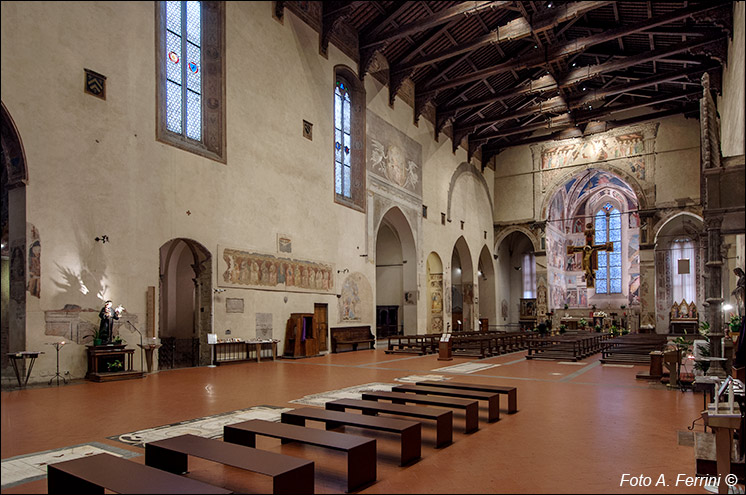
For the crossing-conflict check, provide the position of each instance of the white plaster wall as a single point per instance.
(95, 167)
(731, 104)
(514, 185)
(677, 168)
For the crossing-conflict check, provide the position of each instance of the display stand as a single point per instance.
(445, 348)
(149, 348)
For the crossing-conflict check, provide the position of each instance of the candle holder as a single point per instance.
(57, 375)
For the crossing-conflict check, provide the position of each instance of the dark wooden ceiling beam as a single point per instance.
(491, 149)
(461, 9)
(563, 121)
(332, 13)
(514, 30)
(575, 46)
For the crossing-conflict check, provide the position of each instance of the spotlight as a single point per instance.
(104, 239)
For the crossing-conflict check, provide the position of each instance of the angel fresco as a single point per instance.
(393, 164)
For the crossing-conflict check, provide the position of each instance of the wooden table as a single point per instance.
(16, 356)
(98, 355)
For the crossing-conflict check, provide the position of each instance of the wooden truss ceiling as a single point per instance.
(500, 73)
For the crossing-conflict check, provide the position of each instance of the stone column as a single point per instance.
(713, 290)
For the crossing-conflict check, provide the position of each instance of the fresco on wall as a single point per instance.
(356, 299)
(436, 302)
(392, 155)
(541, 295)
(251, 270)
(593, 150)
(34, 261)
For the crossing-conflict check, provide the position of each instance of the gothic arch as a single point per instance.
(631, 181)
(502, 235)
(664, 222)
(14, 156)
(467, 168)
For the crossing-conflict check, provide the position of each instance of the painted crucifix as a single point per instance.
(590, 254)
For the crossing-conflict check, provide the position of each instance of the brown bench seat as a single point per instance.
(511, 392)
(492, 398)
(443, 419)
(410, 431)
(361, 451)
(289, 474)
(470, 407)
(351, 336)
(93, 474)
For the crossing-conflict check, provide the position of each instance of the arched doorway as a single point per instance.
(462, 287)
(516, 278)
(185, 304)
(486, 280)
(396, 276)
(434, 294)
(678, 261)
(14, 249)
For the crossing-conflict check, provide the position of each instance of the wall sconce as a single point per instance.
(343, 271)
(104, 239)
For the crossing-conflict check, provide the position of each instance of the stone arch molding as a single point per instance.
(503, 234)
(467, 168)
(642, 197)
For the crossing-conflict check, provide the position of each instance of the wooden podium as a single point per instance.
(445, 348)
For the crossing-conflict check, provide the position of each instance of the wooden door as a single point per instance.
(322, 326)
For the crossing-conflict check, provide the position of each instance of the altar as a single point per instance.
(110, 362)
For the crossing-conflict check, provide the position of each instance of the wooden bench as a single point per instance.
(289, 474)
(492, 398)
(361, 451)
(352, 336)
(443, 419)
(470, 407)
(410, 431)
(93, 474)
(511, 392)
(407, 344)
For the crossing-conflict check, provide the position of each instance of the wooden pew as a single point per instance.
(361, 451)
(407, 344)
(289, 474)
(351, 336)
(511, 392)
(410, 431)
(443, 419)
(95, 473)
(492, 398)
(470, 407)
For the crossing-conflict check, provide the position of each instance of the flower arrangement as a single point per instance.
(582, 323)
(734, 324)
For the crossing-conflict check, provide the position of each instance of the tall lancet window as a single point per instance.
(184, 69)
(682, 268)
(342, 139)
(608, 225)
(190, 74)
(528, 268)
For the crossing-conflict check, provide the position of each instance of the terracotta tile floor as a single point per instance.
(578, 429)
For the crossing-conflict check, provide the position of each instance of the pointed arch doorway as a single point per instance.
(185, 304)
(396, 276)
(486, 279)
(462, 287)
(14, 250)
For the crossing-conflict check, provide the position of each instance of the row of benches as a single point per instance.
(478, 344)
(632, 348)
(566, 347)
(166, 459)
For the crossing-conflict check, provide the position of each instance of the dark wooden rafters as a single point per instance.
(575, 46)
(332, 13)
(582, 74)
(497, 72)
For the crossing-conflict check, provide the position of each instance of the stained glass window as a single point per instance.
(608, 225)
(342, 140)
(184, 68)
